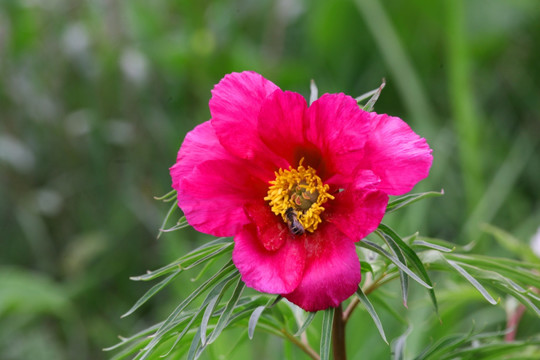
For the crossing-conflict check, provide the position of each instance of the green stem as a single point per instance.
(304, 346)
(338, 335)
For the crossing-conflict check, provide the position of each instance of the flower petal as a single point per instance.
(234, 106)
(339, 129)
(271, 230)
(281, 125)
(200, 144)
(357, 213)
(332, 271)
(397, 154)
(275, 272)
(213, 196)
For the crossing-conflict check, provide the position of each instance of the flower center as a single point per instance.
(297, 196)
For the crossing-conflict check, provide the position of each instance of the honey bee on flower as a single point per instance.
(295, 185)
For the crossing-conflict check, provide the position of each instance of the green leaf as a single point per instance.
(190, 260)
(254, 318)
(510, 242)
(195, 345)
(309, 319)
(432, 246)
(211, 301)
(403, 279)
(413, 259)
(225, 272)
(473, 281)
(398, 345)
(376, 248)
(444, 346)
(376, 93)
(173, 207)
(403, 201)
(314, 92)
(224, 318)
(366, 95)
(511, 268)
(363, 298)
(153, 291)
(326, 333)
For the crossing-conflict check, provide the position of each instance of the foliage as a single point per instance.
(395, 257)
(94, 96)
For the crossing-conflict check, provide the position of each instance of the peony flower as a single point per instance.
(296, 186)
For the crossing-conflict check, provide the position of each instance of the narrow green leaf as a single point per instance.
(195, 345)
(432, 246)
(326, 333)
(167, 197)
(413, 259)
(403, 201)
(371, 103)
(140, 334)
(398, 345)
(374, 247)
(224, 318)
(228, 269)
(371, 310)
(256, 314)
(497, 350)
(314, 92)
(403, 279)
(444, 346)
(253, 319)
(173, 207)
(211, 301)
(189, 260)
(309, 319)
(511, 268)
(473, 281)
(153, 291)
(366, 95)
(180, 224)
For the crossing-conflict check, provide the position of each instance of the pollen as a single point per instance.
(303, 191)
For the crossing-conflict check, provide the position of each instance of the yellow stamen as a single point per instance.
(302, 190)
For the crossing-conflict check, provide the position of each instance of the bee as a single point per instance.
(294, 224)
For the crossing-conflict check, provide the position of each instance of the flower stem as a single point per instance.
(338, 335)
(304, 346)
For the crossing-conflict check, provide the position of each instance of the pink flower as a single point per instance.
(296, 186)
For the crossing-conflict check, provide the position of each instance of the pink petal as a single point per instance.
(357, 213)
(332, 272)
(213, 196)
(234, 106)
(397, 154)
(200, 144)
(271, 230)
(281, 125)
(339, 129)
(275, 272)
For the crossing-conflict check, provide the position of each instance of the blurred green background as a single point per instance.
(96, 97)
